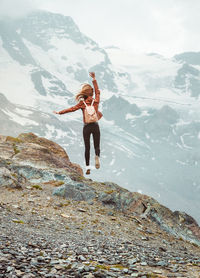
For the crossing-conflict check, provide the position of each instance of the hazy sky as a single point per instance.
(163, 26)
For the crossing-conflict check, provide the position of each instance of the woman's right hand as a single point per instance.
(55, 112)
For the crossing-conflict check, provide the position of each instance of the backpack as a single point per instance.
(90, 113)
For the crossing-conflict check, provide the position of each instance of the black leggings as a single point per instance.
(88, 129)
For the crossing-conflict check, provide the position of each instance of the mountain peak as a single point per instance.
(44, 25)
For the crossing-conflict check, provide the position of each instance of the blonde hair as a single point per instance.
(85, 92)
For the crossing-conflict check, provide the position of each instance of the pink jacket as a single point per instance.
(88, 101)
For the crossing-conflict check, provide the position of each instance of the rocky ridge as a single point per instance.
(56, 223)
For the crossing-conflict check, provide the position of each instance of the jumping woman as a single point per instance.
(91, 115)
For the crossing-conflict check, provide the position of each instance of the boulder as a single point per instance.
(76, 191)
(29, 149)
(11, 179)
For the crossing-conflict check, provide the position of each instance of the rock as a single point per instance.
(89, 275)
(81, 210)
(100, 274)
(81, 258)
(132, 261)
(19, 273)
(11, 179)
(40, 259)
(118, 198)
(65, 216)
(148, 208)
(28, 275)
(10, 268)
(162, 249)
(30, 149)
(75, 191)
(162, 263)
(6, 148)
(39, 150)
(85, 250)
(60, 191)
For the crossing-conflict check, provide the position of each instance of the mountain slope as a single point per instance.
(54, 222)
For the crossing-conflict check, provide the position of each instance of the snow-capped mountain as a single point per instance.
(150, 132)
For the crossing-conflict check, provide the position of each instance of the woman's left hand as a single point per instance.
(55, 112)
(92, 74)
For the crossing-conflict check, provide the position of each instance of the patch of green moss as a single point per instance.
(108, 267)
(58, 183)
(151, 275)
(16, 150)
(18, 221)
(13, 139)
(69, 266)
(81, 178)
(84, 222)
(95, 221)
(102, 267)
(109, 191)
(37, 186)
(76, 177)
(118, 266)
(65, 204)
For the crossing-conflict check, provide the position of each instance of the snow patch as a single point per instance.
(20, 120)
(183, 143)
(23, 112)
(14, 78)
(181, 162)
(112, 162)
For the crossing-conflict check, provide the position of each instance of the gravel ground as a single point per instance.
(42, 235)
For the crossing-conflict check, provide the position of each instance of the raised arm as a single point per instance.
(96, 88)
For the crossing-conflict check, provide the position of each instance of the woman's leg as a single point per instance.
(86, 137)
(96, 139)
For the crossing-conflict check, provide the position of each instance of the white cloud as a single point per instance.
(17, 8)
(167, 27)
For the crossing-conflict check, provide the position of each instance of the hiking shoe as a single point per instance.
(88, 172)
(97, 162)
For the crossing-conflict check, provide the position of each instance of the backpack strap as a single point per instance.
(91, 103)
(84, 103)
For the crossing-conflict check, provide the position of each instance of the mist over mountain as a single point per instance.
(150, 132)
